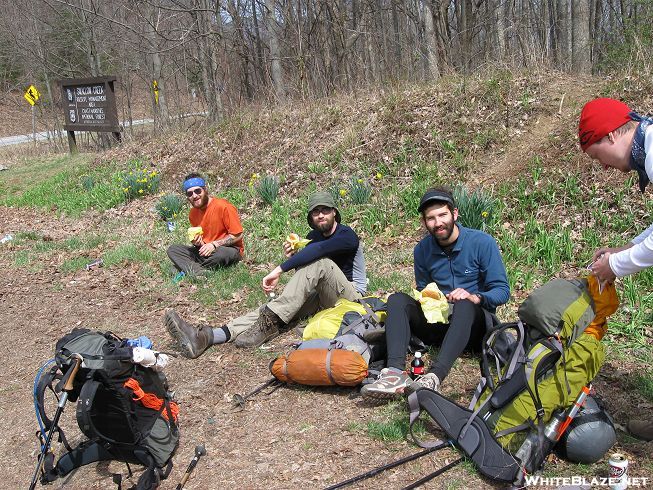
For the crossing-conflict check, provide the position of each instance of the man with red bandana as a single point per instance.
(610, 132)
(221, 242)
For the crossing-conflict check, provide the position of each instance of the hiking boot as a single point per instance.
(192, 340)
(429, 381)
(265, 328)
(390, 384)
(641, 429)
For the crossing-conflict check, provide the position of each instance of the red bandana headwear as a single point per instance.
(598, 118)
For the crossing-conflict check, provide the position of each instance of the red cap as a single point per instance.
(598, 118)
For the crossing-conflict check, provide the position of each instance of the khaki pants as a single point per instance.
(312, 288)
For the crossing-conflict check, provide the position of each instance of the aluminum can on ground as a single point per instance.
(618, 465)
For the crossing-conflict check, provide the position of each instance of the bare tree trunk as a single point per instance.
(431, 41)
(161, 108)
(275, 52)
(259, 46)
(88, 34)
(500, 17)
(581, 36)
(564, 38)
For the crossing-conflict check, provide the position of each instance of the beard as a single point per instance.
(201, 202)
(326, 225)
(443, 232)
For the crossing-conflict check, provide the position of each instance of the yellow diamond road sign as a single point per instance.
(32, 95)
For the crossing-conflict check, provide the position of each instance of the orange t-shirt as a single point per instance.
(219, 219)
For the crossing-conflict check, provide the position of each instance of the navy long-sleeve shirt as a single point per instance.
(341, 247)
(475, 265)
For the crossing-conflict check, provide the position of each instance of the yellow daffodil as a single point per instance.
(379, 175)
(485, 214)
(343, 192)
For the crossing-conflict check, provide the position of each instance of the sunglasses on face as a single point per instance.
(318, 211)
(197, 191)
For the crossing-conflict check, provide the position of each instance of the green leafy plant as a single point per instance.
(169, 207)
(359, 191)
(268, 188)
(139, 181)
(476, 209)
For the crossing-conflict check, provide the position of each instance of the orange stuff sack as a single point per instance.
(320, 367)
(606, 302)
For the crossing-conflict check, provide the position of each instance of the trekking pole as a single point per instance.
(422, 481)
(388, 466)
(68, 386)
(578, 403)
(240, 400)
(199, 452)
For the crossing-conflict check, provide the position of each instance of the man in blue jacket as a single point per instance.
(467, 267)
(331, 266)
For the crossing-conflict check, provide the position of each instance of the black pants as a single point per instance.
(466, 329)
(187, 258)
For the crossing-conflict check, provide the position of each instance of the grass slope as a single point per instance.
(511, 137)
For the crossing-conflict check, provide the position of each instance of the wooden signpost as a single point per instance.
(89, 105)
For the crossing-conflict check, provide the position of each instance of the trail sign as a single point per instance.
(32, 95)
(89, 105)
(155, 87)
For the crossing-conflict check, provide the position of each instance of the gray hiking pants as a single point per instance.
(187, 258)
(312, 288)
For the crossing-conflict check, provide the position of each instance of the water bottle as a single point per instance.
(552, 428)
(417, 365)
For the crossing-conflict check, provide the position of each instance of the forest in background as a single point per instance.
(216, 56)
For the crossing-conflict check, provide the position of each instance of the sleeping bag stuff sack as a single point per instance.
(320, 367)
(363, 317)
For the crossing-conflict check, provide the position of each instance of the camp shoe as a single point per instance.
(264, 329)
(429, 381)
(642, 429)
(192, 340)
(390, 384)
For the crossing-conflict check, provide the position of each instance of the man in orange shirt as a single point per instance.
(221, 241)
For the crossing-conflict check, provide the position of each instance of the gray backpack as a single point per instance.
(124, 409)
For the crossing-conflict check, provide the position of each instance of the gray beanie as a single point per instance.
(321, 199)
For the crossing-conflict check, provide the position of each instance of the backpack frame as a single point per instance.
(111, 394)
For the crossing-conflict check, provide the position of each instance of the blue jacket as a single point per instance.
(475, 265)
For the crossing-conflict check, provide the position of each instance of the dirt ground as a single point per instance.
(297, 437)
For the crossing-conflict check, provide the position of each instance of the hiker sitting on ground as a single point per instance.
(329, 267)
(221, 242)
(467, 267)
(621, 139)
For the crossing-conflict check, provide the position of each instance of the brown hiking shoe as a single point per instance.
(641, 429)
(192, 340)
(265, 328)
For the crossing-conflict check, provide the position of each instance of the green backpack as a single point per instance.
(531, 369)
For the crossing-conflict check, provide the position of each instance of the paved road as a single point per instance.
(27, 138)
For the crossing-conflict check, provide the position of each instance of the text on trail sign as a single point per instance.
(89, 104)
(86, 105)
